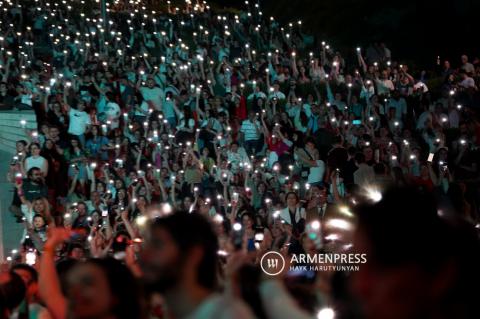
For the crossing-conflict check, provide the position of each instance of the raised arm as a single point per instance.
(48, 281)
(361, 61)
(293, 65)
(21, 195)
(71, 190)
(128, 225)
(97, 87)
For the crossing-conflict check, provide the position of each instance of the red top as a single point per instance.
(279, 147)
(241, 109)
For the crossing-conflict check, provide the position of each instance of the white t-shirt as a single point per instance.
(316, 172)
(78, 122)
(249, 130)
(26, 99)
(468, 83)
(35, 162)
(155, 95)
(385, 86)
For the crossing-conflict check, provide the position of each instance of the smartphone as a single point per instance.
(18, 178)
(31, 258)
(14, 160)
(357, 122)
(259, 237)
(430, 157)
(235, 197)
(104, 213)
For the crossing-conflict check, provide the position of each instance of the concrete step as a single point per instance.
(11, 129)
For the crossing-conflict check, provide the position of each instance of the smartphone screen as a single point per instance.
(430, 157)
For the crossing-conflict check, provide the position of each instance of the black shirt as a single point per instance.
(34, 191)
(6, 102)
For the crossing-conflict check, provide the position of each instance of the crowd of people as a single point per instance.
(175, 148)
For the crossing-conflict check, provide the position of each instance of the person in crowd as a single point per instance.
(12, 292)
(182, 252)
(30, 306)
(270, 140)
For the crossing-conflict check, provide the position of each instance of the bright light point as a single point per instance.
(141, 220)
(345, 211)
(326, 313)
(259, 237)
(339, 223)
(167, 208)
(237, 227)
(374, 194)
(222, 253)
(315, 225)
(218, 218)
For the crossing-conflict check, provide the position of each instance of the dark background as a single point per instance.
(416, 31)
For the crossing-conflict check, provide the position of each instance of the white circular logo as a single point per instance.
(272, 263)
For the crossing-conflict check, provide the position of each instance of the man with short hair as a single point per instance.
(57, 138)
(180, 261)
(317, 204)
(6, 99)
(276, 93)
(79, 121)
(467, 66)
(152, 94)
(467, 81)
(34, 186)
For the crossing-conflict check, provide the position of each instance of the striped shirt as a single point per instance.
(249, 130)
